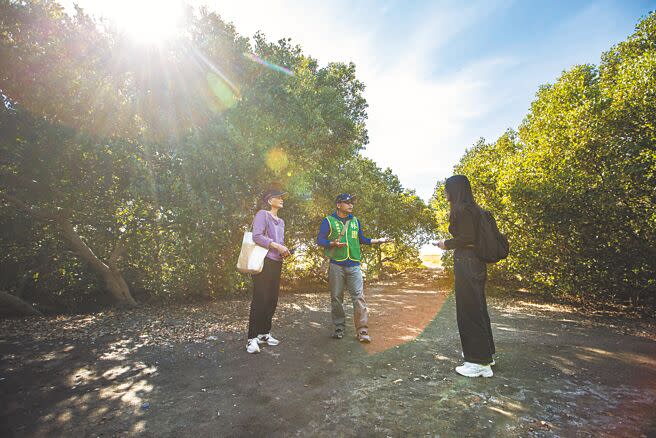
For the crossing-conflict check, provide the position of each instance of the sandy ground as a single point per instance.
(183, 371)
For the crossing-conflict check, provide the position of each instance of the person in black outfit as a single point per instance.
(470, 275)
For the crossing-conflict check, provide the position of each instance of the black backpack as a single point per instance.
(491, 246)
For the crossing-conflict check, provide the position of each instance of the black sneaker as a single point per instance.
(339, 334)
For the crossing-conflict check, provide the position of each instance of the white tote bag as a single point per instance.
(251, 256)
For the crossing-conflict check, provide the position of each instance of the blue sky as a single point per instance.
(439, 74)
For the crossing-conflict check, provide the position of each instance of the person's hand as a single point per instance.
(282, 249)
(338, 244)
(440, 244)
(381, 240)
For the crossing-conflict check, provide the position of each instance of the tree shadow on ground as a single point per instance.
(556, 373)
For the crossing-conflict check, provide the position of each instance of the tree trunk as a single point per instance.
(118, 287)
(109, 272)
(379, 257)
(114, 281)
(11, 305)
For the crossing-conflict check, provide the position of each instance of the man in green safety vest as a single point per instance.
(341, 236)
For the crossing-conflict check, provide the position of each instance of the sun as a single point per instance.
(145, 21)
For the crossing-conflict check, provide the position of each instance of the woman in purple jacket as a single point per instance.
(269, 232)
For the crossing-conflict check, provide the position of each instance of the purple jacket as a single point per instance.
(267, 229)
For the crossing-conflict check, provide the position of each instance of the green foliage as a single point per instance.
(575, 189)
(166, 150)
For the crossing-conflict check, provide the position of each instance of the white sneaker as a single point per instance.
(267, 339)
(469, 369)
(252, 346)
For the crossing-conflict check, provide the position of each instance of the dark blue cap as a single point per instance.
(345, 197)
(273, 193)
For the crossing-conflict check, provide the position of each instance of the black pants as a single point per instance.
(266, 285)
(471, 307)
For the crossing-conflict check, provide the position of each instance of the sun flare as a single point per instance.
(145, 21)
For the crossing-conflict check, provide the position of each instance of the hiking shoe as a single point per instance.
(267, 339)
(469, 369)
(252, 346)
(364, 337)
(339, 334)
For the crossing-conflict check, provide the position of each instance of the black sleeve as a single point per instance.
(464, 231)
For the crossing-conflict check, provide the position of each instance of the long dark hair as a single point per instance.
(460, 195)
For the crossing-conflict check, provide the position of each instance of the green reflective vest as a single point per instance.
(352, 249)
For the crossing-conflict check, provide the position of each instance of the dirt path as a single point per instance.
(184, 372)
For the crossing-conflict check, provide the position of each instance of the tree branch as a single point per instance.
(40, 214)
(19, 180)
(81, 248)
(11, 305)
(118, 251)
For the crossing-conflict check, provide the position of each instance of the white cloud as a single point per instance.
(318, 27)
(418, 124)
